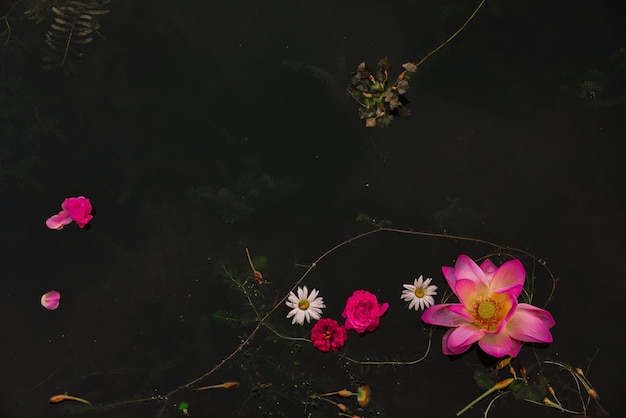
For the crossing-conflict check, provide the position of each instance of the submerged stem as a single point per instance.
(444, 43)
(503, 384)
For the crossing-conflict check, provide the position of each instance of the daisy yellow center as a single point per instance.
(489, 312)
(419, 292)
(303, 304)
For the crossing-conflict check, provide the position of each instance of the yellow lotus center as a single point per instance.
(488, 312)
(419, 292)
(486, 309)
(303, 304)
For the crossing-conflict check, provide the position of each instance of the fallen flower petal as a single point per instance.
(59, 221)
(50, 300)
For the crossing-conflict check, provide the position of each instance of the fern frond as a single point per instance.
(74, 23)
(39, 10)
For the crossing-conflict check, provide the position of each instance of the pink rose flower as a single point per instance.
(363, 312)
(79, 209)
(328, 335)
(489, 312)
(76, 209)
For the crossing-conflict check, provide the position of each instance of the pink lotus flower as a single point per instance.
(363, 312)
(74, 209)
(489, 311)
(50, 300)
(328, 335)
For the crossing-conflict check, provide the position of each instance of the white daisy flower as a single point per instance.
(305, 305)
(420, 294)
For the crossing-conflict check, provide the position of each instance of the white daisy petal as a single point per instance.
(318, 303)
(316, 310)
(300, 317)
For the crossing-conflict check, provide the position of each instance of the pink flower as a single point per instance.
(363, 312)
(489, 311)
(50, 300)
(74, 209)
(328, 335)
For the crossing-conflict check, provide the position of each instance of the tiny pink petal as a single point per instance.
(58, 221)
(50, 300)
(382, 308)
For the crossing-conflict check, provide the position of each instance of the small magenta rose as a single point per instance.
(363, 312)
(77, 209)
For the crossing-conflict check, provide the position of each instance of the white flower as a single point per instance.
(420, 294)
(305, 305)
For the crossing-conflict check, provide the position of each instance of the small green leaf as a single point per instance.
(483, 379)
(523, 390)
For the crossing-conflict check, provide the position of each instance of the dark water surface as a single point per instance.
(198, 130)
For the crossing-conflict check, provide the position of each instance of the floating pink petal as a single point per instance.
(50, 300)
(59, 221)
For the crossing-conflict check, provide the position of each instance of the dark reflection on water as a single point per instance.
(200, 131)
